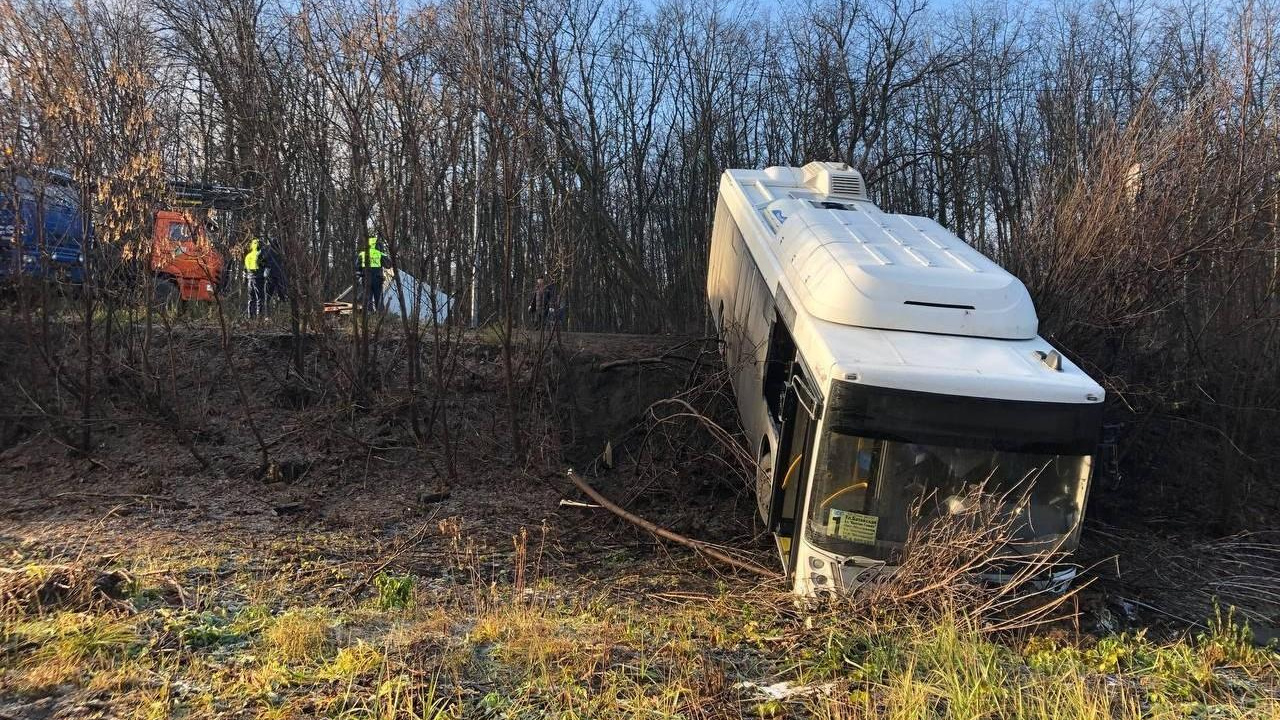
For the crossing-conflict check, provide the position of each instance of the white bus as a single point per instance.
(882, 363)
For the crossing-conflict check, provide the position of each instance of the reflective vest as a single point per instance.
(372, 257)
(253, 258)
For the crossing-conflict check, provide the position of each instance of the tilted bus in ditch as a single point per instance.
(882, 364)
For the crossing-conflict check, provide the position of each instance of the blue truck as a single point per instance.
(43, 232)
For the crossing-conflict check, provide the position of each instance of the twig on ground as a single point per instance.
(698, 545)
(669, 354)
(412, 542)
(125, 496)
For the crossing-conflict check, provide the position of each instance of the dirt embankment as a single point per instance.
(338, 463)
(345, 468)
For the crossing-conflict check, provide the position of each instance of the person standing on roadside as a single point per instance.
(370, 263)
(275, 286)
(255, 274)
(544, 307)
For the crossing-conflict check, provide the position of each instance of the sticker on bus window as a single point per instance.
(852, 526)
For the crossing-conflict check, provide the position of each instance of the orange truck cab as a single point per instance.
(183, 255)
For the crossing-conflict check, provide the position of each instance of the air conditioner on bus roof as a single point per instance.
(835, 180)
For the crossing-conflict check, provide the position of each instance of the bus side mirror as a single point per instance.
(1109, 453)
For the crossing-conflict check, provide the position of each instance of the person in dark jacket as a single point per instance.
(277, 281)
(544, 305)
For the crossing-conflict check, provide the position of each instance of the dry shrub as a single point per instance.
(298, 636)
(941, 570)
(684, 449)
(1155, 266)
(41, 588)
(1187, 579)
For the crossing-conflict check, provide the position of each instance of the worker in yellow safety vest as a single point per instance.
(254, 272)
(370, 262)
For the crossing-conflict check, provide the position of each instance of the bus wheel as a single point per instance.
(764, 481)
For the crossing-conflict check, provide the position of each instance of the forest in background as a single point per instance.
(1122, 158)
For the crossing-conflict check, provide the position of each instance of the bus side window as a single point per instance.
(732, 272)
(742, 301)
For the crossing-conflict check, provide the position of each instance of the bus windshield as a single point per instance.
(886, 451)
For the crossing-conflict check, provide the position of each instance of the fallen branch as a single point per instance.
(669, 354)
(126, 496)
(661, 532)
(660, 360)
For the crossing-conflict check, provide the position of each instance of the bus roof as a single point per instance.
(893, 300)
(852, 264)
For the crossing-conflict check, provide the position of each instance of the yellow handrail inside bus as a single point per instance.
(786, 479)
(840, 492)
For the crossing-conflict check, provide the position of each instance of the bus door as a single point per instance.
(801, 410)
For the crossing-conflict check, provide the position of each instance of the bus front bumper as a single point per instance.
(820, 573)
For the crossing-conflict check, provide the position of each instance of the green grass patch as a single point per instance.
(394, 591)
(490, 652)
